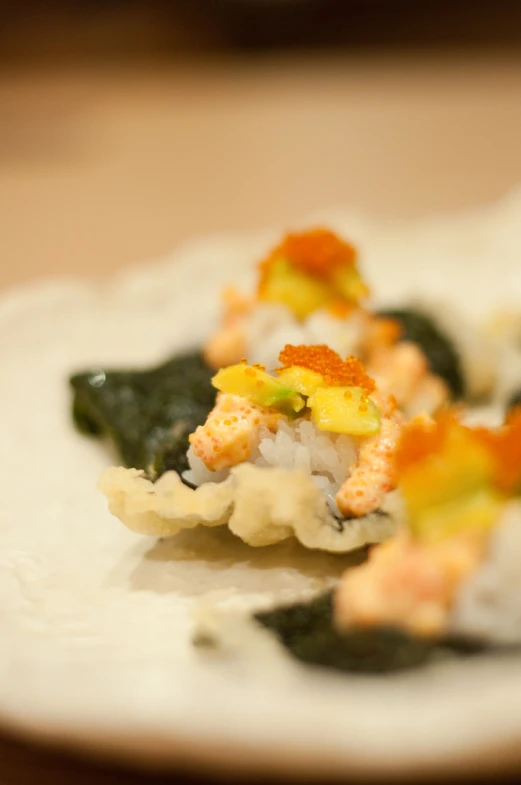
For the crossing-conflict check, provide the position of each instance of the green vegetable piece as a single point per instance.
(146, 414)
(259, 387)
(437, 347)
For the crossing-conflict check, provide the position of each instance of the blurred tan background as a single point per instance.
(127, 127)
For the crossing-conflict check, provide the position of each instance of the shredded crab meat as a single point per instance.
(374, 474)
(225, 346)
(231, 431)
(324, 361)
(407, 584)
(402, 369)
(379, 333)
(229, 342)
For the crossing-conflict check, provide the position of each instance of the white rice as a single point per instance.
(328, 457)
(198, 473)
(269, 328)
(489, 604)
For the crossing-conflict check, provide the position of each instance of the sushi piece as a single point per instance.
(310, 291)
(448, 584)
(306, 451)
(455, 560)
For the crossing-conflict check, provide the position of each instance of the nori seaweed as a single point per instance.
(307, 631)
(437, 347)
(147, 414)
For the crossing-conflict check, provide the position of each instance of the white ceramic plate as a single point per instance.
(95, 622)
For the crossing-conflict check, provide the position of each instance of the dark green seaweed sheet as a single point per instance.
(307, 631)
(437, 347)
(148, 414)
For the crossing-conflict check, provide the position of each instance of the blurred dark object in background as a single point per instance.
(296, 23)
(168, 27)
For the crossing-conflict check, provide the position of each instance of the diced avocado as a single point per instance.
(302, 293)
(258, 387)
(461, 469)
(349, 284)
(344, 410)
(474, 512)
(301, 379)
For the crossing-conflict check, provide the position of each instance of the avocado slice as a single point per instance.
(348, 283)
(461, 469)
(254, 384)
(344, 410)
(301, 293)
(475, 512)
(301, 379)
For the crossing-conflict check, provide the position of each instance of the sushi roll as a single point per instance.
(447, 585)
(306, 451)
(453, 568)
(310, 291)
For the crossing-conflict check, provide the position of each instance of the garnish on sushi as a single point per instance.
(305, 451)
(449, 579)
(312, 270)
(456, 483)
(310, 291)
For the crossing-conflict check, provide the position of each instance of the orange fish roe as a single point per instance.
(505, 446)
(317, 252)
(421, 439)
(323, 360)
(340, 308)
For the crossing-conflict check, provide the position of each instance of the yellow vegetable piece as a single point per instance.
(349, 284)
(462, 468)
(301, 293)
(476, 512)
(344, 410)
(257, 386)
(301, 379)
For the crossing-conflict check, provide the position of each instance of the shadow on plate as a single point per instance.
(201, 560)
